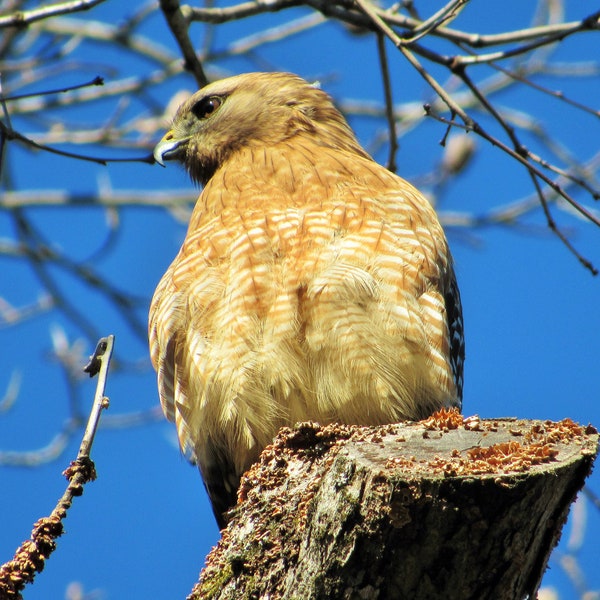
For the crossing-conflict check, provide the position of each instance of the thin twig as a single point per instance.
(11, 134)
(389, 102)
(43, 454)
(446, 14)
(408, 54)
(158, 199)
(31, 556)
(540, 88)
(98, 365)
(249, 43)
(179, 27)
(25, 17)
(475, 40)
(12, 391)
(586, 24)
(519, 152)
(94, 82)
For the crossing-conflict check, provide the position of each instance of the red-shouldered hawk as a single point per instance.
(313, 283)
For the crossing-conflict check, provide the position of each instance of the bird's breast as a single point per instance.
(314, 300)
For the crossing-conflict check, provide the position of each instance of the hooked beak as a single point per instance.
(169, 148)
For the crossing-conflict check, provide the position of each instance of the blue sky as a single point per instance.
(531, 311)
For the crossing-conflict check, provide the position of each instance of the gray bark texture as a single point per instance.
(448, 507)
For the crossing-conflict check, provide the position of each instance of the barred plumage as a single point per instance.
(313, 283)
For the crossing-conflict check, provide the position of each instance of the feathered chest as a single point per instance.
(247, 257)
(320, 297)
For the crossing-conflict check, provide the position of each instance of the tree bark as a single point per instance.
(443, 508)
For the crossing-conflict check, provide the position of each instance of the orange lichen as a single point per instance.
(444, 420)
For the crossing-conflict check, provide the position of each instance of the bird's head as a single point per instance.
(254, 109)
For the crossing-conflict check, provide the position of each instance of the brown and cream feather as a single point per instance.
(313, 284)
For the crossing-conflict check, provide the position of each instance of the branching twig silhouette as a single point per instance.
(31, 556)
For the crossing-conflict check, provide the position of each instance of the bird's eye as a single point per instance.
(207, 106)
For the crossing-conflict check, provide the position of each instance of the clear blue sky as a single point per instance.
(531, 312)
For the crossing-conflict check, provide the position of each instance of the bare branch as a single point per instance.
(179, 27)
(95, 81)
(555, 93)
(98, 365)
(235, 13)
(44, 455)
(31, 556)
(26, 17)
(274, 34)
(519, 152)
(446, 14)
(338, 10)
(12, 391)
(586, 24)
(389, 103)
(169, 199)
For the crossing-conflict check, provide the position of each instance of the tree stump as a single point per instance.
(443, 508)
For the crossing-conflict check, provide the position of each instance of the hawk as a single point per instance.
(313, 283)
